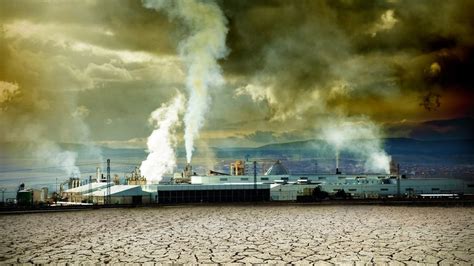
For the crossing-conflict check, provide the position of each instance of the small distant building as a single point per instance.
(27, 197)
(237, 168)
(136, 178)
(24, 197)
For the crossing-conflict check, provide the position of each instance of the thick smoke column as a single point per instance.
(200, 51)
(162, 141)
(360, 137)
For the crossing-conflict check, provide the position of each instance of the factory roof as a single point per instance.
(233, 186)
(120, 190)
(88, 187)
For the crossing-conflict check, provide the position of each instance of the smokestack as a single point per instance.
(398, 181)
(108, 170)
(98, 174)
(394, 168)
(108, 200)
(188, 170)
(337, 163)
(255, 179)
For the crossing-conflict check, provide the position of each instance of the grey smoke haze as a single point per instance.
(343, 54)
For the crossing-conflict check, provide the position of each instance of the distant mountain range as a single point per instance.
(458, 128)
(391, 145)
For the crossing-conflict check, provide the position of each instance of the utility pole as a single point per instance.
(3, 195)
(255, 180)
(315, 166)
(398, 181)
(90, 190)
(108, 182)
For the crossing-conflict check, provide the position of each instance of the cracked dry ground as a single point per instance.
(243, 234)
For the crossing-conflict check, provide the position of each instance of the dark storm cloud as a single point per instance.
(340, 53)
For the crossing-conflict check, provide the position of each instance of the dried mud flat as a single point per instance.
(243, 234)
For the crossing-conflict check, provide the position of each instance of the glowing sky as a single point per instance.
(93, 71)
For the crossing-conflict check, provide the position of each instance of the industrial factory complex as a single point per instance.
(243, 184)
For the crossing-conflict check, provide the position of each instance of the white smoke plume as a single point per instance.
(52, 154)
(162, 141)
(360, 137)
(200, 52)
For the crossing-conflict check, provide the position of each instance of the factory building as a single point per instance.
(277, 184)
(288, 187)
(358, 186)
(370, 187)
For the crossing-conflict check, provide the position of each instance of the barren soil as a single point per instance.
(243, 234)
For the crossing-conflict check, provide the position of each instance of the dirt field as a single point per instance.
(243, 234)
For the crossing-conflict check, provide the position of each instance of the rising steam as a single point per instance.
(360, 137)
(52, 154)
(200, 51)
(162, 142)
